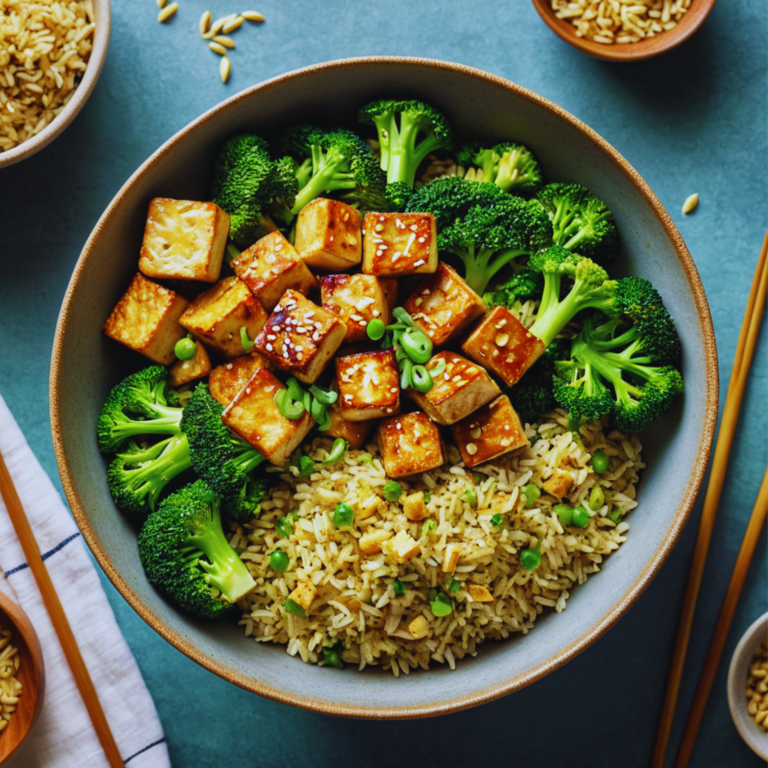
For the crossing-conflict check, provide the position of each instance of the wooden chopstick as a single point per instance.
(748, 546)
(58, 617)
(743, 360)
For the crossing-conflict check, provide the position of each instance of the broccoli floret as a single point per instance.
(408, 131)
(138, 476)
(581, 221)
(246, 182)
(489, 237)
(221, 458)
(591, 290)
(246, 503)
(522, 286)
(138, 405)
(330, 161)
(509, 166)
(186, 555)
(615, 371)
(533, 395)
(398, 194)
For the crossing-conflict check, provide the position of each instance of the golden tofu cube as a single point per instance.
(356, 433)
(410, 443)
(227, 380)
(301, 337)
(504, 345)
(414, 506)
(489, 432)
(419, 628)
(369, 385)
(479, 594)
(372, 541)
(328, 235)
(460, 390)
(558, 484)
(356, 299)
(217, 316)
(399, 243)
(369, 507)
(254, 416)
(402, 548)
(443, 305)
(184, 371)
(304, 594)
(451, 557)
(184, 240)
(146, 319)
(270, 267)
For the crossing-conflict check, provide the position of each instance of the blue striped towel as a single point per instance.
(63, 736)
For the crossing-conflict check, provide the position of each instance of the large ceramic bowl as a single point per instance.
(86, 364)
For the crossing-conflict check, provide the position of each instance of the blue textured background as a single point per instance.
(694, 120)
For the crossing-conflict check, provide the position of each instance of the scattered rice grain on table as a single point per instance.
(44, 50)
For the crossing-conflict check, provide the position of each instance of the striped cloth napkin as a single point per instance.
(63, 736)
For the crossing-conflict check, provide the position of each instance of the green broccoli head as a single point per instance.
(581, 221)
(398, 193)
(512, 167)
(407, 131)
(329, 161)
(186, 555)
(533, 395)
(246, 182)
(137, 406)
(522, 286)
(246, 503)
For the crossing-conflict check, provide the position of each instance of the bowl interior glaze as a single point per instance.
(86, 364)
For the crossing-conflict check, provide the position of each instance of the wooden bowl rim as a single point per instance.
(645, 49)
(611, 616)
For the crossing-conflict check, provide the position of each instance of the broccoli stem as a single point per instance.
(150, 479)
(554, 315)
(325, 177)
(482, 266)
(249, 459)
(403, 156)
(166, 425)
(224, 569)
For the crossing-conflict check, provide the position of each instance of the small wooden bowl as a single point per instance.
(31, 675)
(660, 43)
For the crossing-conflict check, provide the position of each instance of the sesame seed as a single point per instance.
(502, 339)
(419, 263)
(378, 227)
(376, 313)
(419, 301)
(269, 347)
(229, 366)
(414, 228)
(422, 239)
(382, 218)
(476, 432)
(471, 449)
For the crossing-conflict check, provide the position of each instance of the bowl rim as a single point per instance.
(645, 49)
(504, 687)
(83, 91)
(737, 702)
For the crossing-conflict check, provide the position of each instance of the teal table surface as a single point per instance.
(693, 120)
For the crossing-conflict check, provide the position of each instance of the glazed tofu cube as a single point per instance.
(451, 557)
(489, 432)
(479, 594)
(369, 385)
(304, 594)
(146, 319)
(370, 507)
(356, 299)
(254, 416)
(443, 305)
(217, 316)
(301, 337)
(504, 345)
(419, 628)
(372, 541)
(461, 389)
(270, 267)
(402, 548)
(559, 483)
(227, 380)
(184, 240)
(399, 243)
(328, 235)
(184, 371)
(414, 506)
(410, 443)
(356, 433)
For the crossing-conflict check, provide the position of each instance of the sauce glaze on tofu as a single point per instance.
(328, 236)
(399, 244)
(410, 443)
(369, 385)
(356, 299)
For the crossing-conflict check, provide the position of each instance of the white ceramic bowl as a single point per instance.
(103, 19)
(754, 736)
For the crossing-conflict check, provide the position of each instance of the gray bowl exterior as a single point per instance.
(86, 364)
(754, 736)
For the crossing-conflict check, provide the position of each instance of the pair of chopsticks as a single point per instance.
(58, 617)
(744, 353)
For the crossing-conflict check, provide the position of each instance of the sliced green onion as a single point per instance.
(185, 348)
(441, 606)
(291, 409)
(437, 370)
(325, 424)
(417, 345)
(615, 515)
(477, 477)
(294, 389)
(338, 449)
(429, 525)
(306, 401)
(392, 490)
(232, 252)
(293, 607)
(278, 560)
(497, 520)
(375, 329)
(427, 497)
(343, 515)
(405, 375)
(366, 459)
(318, 411)
(399, 587)
(470, 496)
(421, 381)
(306, 466)
(324, 396)
(530, 494)
(245, 340)
(402, 316)
(432, 594)
(283, 527)
(331, 658)
(453, 585)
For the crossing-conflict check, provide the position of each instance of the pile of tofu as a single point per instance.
(306, 307)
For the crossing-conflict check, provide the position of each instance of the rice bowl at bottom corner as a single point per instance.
(355, 608)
